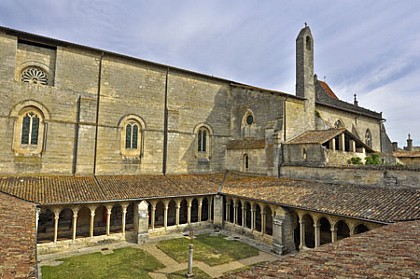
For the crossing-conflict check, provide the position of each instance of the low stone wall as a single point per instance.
(385, 176)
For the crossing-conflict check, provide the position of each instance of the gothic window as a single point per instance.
(203, 138)
(368, 138)
(305, 154)
(29, 132)
(131, 136)
(34, 76)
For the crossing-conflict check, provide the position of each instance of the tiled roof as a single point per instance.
(247, 143)
(391, 251)
(328, 90)
(323, 97)
(361, 202)
(316, 137)
(84, 189)
(407, 154)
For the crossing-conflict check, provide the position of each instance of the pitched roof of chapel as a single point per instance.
(370, 203)
(316, 136)
(387, 252)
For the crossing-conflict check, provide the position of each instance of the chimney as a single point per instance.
(395, 146)
(356, 103)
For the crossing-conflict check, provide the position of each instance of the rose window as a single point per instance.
(34, 76)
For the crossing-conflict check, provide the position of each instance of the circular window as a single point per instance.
(249, 119)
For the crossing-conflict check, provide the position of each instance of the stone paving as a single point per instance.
(170, 264)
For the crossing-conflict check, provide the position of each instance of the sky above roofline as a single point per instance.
(368, 48)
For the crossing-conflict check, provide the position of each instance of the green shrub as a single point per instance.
(356, 161)
(373, 160)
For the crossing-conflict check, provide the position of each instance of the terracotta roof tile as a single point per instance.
(83, 189)
(316, 136)
(388, 252)
(328, 90)
(362, 202)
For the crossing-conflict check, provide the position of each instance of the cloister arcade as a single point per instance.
(294, 229)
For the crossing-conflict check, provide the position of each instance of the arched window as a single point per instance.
(368, 138)
(248, 121)
(245, 163)
(131, 136)
(203, 141)
(304, 154)
(29, 129)
(34, 75)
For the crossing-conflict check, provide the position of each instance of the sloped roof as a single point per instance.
(391, 251)
(316, 136)
(85, 189)
(354, 201)
(407, 154)
(325, 96)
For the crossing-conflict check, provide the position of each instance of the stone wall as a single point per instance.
(363, 175)
(18, 238)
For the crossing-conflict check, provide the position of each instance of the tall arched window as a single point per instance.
(131, 136)
(368, 138)
(245, 163)
(248, 122)
(29, 130)
(203, 138)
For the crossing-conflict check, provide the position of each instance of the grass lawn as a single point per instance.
(122, 263)
(198, 273)
(213, 250)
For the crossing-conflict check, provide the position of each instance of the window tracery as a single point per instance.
(34, 76)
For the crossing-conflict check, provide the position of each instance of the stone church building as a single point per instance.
(114, 148)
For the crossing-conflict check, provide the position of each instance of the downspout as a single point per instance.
(165, 126)
(97, 114)
(76, 137)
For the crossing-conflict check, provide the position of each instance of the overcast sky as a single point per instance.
(371, 48)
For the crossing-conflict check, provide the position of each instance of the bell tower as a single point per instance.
(305, 84)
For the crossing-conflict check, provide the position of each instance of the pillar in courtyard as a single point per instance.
(153, 212)
(92, 220)
(317, 231)
(165, 213)
(200, 208)
(302, 243)
(75, 214)
(283, 239)
(178, 206)
(189, 205)
(209, 213)
(235, 212)
(218, 210)
(108, 219)
(333, 233)
(142, 222)
(56, 217)
(123, 217)
(243, 215)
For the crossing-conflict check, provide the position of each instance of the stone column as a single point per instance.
(262, 221)
(227, 210)
(278, 246)
(342, 142)
(235, 212)
(252, 217)
(302, 243)
(108, 219)
(243, 215)
(352, 146)
(332, 144)
(143, 222)
(333, 233)
(178, 206)
(209, 213)
(56, 218)
(218, 211)
(189, 202)
(153, 211)
(75, 213)
(92, 220)
(317, 230)
(124, 216)
(165, 214)
(200, 208)
(37, 212)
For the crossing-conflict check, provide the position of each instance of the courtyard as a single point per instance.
(215, 254)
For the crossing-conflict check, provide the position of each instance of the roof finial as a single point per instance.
(356, 103)
(409, 136)
(325, 78)
(306, 25)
